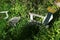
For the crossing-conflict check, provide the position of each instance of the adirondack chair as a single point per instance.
(5, 12)
(46, 19)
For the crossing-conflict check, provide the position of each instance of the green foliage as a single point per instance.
(25, 30)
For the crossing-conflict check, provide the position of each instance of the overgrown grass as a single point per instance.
(23, 31)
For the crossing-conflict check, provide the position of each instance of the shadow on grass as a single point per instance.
(28, 31)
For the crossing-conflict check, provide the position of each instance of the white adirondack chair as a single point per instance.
(43, 17)
(5, 12)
